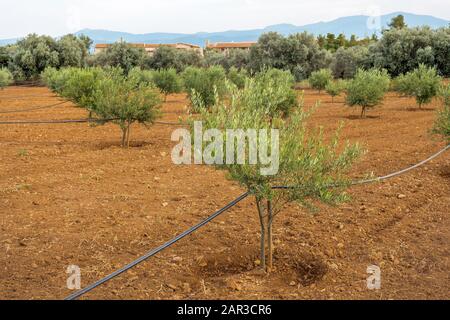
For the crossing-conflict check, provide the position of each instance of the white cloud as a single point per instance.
(57, 17)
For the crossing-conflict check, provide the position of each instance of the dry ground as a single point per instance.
(70, 195)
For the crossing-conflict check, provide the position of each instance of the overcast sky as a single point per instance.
(58, 17)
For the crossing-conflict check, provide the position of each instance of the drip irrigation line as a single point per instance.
(167, 123)
(35, 108)
(389, 176)
(215, 215)
(157, 250)
(55, 121)
(392, 175)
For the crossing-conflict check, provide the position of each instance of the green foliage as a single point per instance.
(122, 55)
(141, 77)
(119, 99)
(422, 83)
(335, 88)
(367, 89)
(167, 81)
(320, 79)
(5, 78)
(398, 22)
(166, 57)
(307, 163)
(238, 77)
(402, 50)
(272, 90)
(347, 60)
(205, 84)
(442, 124)
(55, 79)
(299, 53)
(33, 54)
(80, 85)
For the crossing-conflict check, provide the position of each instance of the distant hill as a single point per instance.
(348, 25)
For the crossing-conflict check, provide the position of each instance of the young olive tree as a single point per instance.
(367, 89)
(6, 78)
(167, 81)
(273, 91)
(306, 164)
(238, 77)
(80, 86)
(118, 99)
(335, 88)
(205, 83)
(422, 83)
(320, 79)
(442, 124)
(141, 77)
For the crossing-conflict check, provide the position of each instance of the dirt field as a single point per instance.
(70, 195)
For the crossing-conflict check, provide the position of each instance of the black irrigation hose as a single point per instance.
(167, 123)
(157, 250)
(35, 108)
(215, 215)
(389, 176)
(56, 121)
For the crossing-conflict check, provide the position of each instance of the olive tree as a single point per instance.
(238, 77)
(346, 61)
(335, 88)
(442, 124)
(367, 89)
(206, 83)
(422, 83)
(307, 165)
(5, 78)
(122, 55)
(320, 79)
(118, 100)
(140, 76)
(167, 81)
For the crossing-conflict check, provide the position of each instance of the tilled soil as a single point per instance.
(70, 195)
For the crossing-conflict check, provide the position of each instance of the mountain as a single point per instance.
(348, 25)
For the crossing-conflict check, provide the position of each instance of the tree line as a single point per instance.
(399, 50)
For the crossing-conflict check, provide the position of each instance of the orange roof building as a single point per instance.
(150, 48)
(225, 46)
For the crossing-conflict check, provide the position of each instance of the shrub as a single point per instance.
(55, 79)
(80, 86)
(6, 78)
(141, 77)
(273, 91)
(206, 84)
(422, 83)
(335, 88)
(120, 100)
(367, 89)
(306, 163)
(442, 124)
(167, 81)
(237, 77)
(319, 79)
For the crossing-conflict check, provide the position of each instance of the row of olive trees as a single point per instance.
(107, 94)
(29, 57)
(422, 83)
